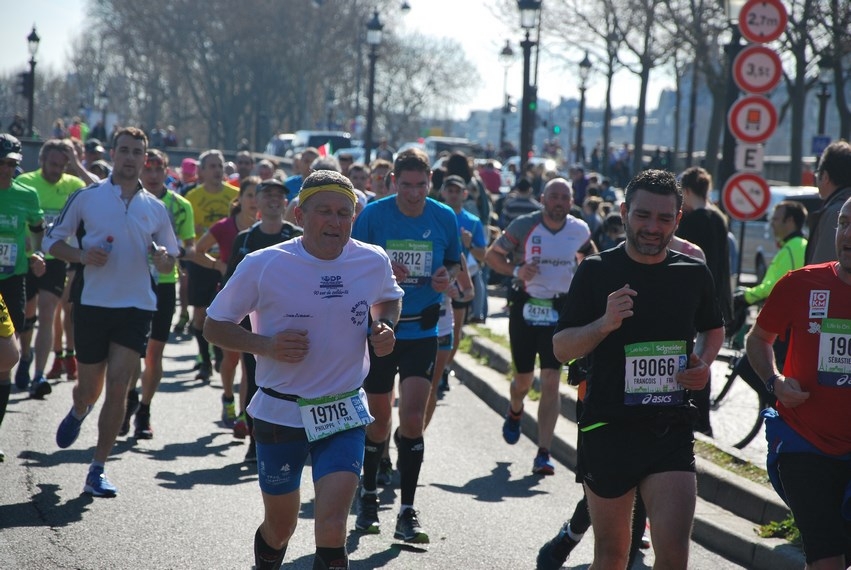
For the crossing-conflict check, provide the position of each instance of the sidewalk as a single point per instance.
(729, 507)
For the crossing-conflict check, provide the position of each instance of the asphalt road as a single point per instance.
(186, 499)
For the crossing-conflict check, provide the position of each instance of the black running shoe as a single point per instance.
(205, 371)
(143, 424)
(408, 528)
(553, 554)
(367, 520)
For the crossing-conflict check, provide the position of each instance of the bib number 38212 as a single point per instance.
(326, 416)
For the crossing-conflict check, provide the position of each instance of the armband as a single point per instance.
(38, 228)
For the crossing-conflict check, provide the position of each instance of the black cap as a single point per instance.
(10, 147)
(94, 145)
(454, 180)
(272, 183)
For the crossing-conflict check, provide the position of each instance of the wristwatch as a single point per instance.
(769, 384)
(516, 272)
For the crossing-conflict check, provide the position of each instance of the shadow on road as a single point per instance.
(44, 509)
(496, 486)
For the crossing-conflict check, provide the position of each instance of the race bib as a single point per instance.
(8, 255)
(328, 415)
(649, 375)
(834, 353)
(540, 312)
(416, 256)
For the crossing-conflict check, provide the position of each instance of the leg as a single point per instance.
(670, 499)
(122, 365)
(228, 372)
(610, 519)
(548, 407)
(413, 395)
(47, 304)
(153, 373)
(334, 495)
(440, 363)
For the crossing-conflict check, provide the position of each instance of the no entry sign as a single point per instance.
(746, 196)
(757, 69)
(752, 119)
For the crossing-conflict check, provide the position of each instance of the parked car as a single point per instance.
(280, 145)
(758, 247)
(305, 139)
(434, 146)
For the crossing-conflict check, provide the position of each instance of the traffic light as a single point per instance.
(25, 84)
(556, 129)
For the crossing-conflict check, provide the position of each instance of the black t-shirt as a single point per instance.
(675, 300)
(254, 239)
(707, 228)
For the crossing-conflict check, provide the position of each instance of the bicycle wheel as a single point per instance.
(716, 401)
(736, 419)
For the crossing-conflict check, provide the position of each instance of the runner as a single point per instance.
(421, 237)
(9, 355)
(636, 310)
(541, 250)
(309, 300)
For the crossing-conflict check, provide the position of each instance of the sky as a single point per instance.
(59, 21)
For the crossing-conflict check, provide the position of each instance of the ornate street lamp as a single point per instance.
(530, 11)
(584, 71)
(373, 39)
(32, 47)
(506, 58)
(825, 78)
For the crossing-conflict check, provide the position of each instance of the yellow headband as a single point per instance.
(338, 188)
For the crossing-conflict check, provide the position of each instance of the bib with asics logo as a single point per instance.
(834, 353)
(415, 255)
(650, 370)
(323, 417)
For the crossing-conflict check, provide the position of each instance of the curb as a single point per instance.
(729, 507)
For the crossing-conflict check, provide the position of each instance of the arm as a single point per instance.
(574, 342)
(76, 167)
(698, 372)
(780, 266)
(290, 345)
(761, 356)
(203, 259)
(92, 256)
(381, 335)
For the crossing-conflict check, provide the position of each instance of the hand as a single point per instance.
(37, 265)
(454, 291)
(382, 338)
(440, 280)
(94, 256)
(696, 376)
(789, 392)
(466, 238)
(291, 346)
(528, 270)
(739, 301)
(399, 271)
(618, 307)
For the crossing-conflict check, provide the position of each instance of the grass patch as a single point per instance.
(485, 332)
(786, 529)
(731, 463)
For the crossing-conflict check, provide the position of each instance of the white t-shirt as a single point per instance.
(284, 287)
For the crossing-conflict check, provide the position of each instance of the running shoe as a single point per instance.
(2, 456)
(511, 428)
(39, 388)
(143, 424)
(57, 370)
(251, 454)
(97, 484)
(385, 472)
(205, 371)
(132, 408)
(553, 554)
(408, 528)
(22, 374)
(240, 427)
(443, 386)
(69, 429)
(543, 465)
(71, 367)
(228, 413)
(367, 519)
(180, 326)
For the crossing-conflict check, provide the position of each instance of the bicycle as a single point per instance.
(747, 403)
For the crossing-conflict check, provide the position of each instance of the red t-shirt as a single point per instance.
(816, 305)
(225, 231)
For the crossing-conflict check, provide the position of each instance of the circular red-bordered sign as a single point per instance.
(746, 196)
(763, 21)
(757, 69)
(752, 119)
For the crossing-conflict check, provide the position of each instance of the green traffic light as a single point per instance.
(556, 129)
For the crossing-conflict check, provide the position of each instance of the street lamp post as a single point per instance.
(584, 70)
(373, 38)
(825, 78)
(104, 105)
(506, 58)
(728, 159)
(32, 46)
(529, 12)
